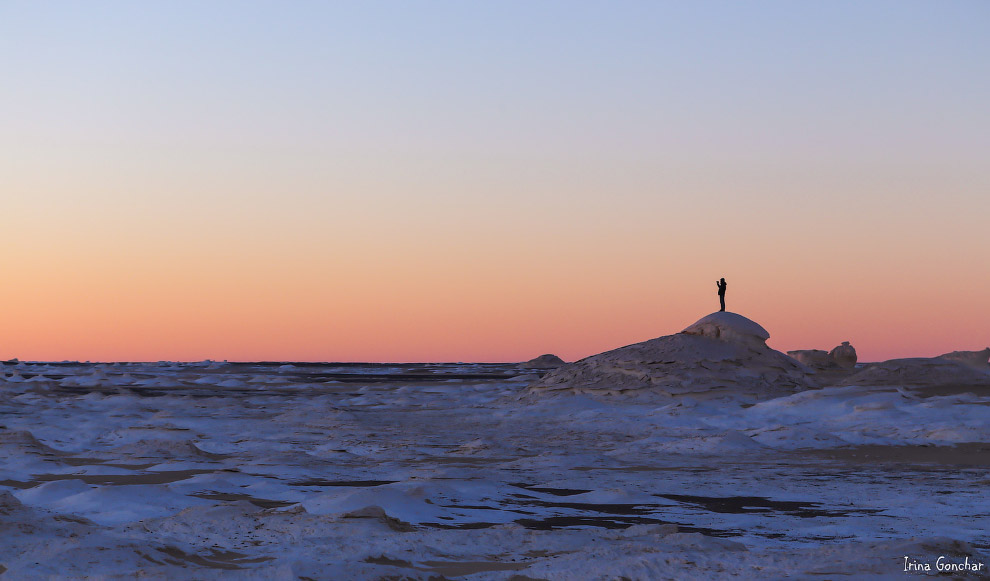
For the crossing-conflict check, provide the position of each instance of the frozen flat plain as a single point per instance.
(344, 471)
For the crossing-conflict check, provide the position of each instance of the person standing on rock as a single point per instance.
(721, 292)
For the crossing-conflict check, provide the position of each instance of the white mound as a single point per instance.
(723, 352)
(730, 327)
(24, 442)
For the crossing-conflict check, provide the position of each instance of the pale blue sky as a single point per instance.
(698, 82)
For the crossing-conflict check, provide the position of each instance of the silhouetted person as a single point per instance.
(721, 292)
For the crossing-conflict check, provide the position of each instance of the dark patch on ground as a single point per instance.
(322, 482)
(229, 497)
(751, 504)
(602, 508)
(460, 526)
(975, 454)
(549, 490)
(164, 477)
(615, 522)
(215, 560)
(383, 560)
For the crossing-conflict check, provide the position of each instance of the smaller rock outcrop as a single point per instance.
(844, 355)
(815, 358)
(971, 358)
(545, 361)
(924, 375)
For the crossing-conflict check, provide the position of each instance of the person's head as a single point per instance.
(723, 280)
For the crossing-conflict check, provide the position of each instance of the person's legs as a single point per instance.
(721, 299)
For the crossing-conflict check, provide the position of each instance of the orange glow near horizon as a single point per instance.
(408, 281)
(507, 304)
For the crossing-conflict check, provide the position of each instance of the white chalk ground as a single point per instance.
(176, 471)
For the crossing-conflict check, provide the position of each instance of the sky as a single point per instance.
(489, 181)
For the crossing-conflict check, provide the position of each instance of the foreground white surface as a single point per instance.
(320, 472)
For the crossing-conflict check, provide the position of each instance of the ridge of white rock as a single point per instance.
(814, 358)
(720, 353)
(842, 358)
(933, 375)
(971, 358)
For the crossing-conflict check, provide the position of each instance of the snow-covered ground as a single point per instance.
(303, 471)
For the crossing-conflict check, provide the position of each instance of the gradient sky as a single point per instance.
(412, 181)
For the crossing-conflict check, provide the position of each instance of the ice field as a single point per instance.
(335, 471)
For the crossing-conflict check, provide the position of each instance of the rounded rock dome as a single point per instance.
(730, 327)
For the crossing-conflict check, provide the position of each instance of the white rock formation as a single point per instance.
(723, 353)
(844, 355)
(815, 358)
